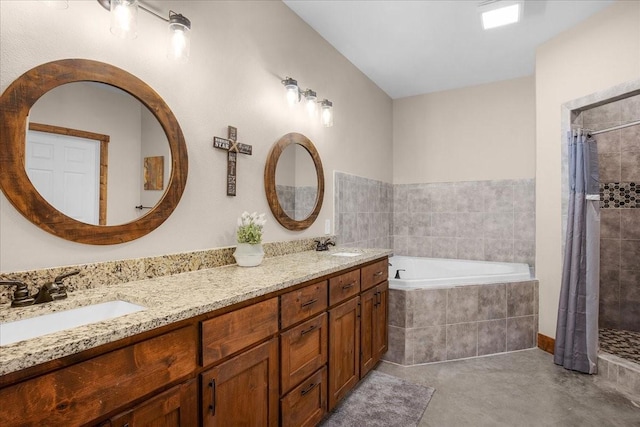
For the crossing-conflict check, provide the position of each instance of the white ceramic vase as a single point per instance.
(248, 255)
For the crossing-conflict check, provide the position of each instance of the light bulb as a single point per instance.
(310, 101)
(293, 93)
(124, 18)
(326, 115)
(179, 37)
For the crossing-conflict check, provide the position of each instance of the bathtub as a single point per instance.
(438, 273)
(447, 309)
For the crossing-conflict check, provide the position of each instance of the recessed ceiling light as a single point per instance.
(502, 13)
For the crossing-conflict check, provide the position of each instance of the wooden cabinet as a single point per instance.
(86, 391)
(281, 359)
(306, 405)
(242, 391)
(373, 332)
(176, 407)
(344, 349)
(304, 350)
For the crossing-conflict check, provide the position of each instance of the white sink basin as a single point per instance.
(32, 327)
(347, 254)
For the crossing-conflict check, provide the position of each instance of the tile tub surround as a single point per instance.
(363, 211)
(435, 325)
(169, 299)
(476, 220)
(116, 272)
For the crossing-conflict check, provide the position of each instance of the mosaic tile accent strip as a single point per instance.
(108, 273)
(623, 195)
(624, 344)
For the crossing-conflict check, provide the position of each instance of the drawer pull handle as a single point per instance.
(308, 389)
(308, 303)
(377, 274)
(349, 285)
(309, 329)
(212, 405)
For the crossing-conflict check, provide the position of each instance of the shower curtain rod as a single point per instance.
(614, 128)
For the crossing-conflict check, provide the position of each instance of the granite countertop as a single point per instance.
(168, 299)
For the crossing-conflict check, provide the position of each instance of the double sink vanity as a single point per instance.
(278, 344)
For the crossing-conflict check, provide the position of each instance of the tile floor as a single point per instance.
(523, 388)
(625, 344)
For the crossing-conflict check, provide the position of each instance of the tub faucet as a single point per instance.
(397, 276)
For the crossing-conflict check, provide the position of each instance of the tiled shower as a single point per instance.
(619, 164)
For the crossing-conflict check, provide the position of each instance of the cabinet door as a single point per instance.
(244, 390)
(176, 407)
(344, 349)
(373, 332)
(381, 335)
(303, 350)
(368, 320)
(306, 404)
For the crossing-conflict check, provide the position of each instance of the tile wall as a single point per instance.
(297, 202)
(477, 220)
(434, 325)
(363, 211)
(619, 163)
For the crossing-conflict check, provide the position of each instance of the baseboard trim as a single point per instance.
(546, 343)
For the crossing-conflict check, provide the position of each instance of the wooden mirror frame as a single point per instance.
(15, 104)
(270, 181)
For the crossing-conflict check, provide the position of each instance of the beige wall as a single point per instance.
(601, 52)
(239, 53)
(471, 134)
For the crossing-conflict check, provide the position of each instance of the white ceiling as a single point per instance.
(415, 47)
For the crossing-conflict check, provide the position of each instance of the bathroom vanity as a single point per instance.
(278, 344)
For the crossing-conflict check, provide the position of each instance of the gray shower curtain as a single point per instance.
(576, 344)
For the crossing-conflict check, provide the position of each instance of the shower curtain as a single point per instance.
(576, 344)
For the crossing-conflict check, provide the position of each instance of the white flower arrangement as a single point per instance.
(250, 228)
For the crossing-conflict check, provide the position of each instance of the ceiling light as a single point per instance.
(499, 13)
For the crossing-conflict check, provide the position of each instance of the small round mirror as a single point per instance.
(294, 181)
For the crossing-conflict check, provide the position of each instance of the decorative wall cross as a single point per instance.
(233, 147)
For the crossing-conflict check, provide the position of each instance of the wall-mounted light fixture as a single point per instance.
(496, 13)
(295, 94)
(124, 19)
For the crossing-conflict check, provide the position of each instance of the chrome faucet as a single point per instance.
(51, 291)
(323, 244)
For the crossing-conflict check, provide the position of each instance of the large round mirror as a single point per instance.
(89, 152)
(294, 181)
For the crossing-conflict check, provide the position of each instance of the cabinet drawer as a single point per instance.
(303, 350)
(307, 403)
(231, 332)
(303, 303)
(344, 286)
(80, 393)
(375, 273)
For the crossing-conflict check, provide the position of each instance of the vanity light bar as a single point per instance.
(295, 94)
(124, 16)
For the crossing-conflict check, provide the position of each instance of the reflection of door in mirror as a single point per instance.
(68, 167)
(133, 134)
(296, 182)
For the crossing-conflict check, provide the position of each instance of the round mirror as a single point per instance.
(294, 181)
(96, 154)
(137, 155)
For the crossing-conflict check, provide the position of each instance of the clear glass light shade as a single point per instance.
(326, 113)
(124, 18)
(292, 94)
(179, 45)
(310, 100)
